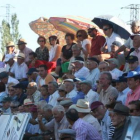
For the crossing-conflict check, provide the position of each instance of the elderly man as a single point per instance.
(45, 77)
(97, 42)
(100, 112)
(118, 117)
(84, 110)
(133, 63)
(33, 93)
(54, 95)
(59, 122)
(20, 69)
(92, 65)
(113, 67)
(103, 66)
(133, 81)
(108, 91)
(90, 95)
(23, 49)
(84, 130)
(122, 87)
(136, 44)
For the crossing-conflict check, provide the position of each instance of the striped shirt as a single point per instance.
(85, 131)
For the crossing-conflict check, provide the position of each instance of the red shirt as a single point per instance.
(37, 64)
(96, 44)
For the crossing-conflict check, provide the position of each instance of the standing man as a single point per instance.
(23, 49)
(97, 41)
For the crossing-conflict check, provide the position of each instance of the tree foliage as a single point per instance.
(9, 32)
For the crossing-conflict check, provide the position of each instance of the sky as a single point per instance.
(30, 10)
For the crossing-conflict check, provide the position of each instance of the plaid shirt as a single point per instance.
(85, 131)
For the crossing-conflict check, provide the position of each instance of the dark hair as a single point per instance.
(43, 66)
(45, 86)
(41, 37)
(33, 54)
(83, 33)
(2, 87)
(72, 114)
(72, 36)
(137, 78)
(136, 103)
(55, 38)
(109, 25)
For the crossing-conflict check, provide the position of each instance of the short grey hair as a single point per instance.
(104, 62)
(59, 108)
(108, 74)
(55, 84)
(136, 23)
(41, 104)
(76, 47)
(47, 107)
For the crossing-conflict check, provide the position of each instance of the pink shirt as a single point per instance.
(136, 53)
(133, 95)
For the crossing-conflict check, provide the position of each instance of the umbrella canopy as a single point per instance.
(120, 26)
(71, 24)
(44, 28)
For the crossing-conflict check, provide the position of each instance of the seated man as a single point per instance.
(45, 77)
(90, 95)
(20, 69)
(103, 66)
(6, 105)
(59, 122)
(84, 130)
(84, 110)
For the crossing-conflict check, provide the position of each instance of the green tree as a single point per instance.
(9, 32)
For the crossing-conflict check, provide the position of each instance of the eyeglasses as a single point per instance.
(41, 40)
(79, 35)
(105, 29)
(132, 110)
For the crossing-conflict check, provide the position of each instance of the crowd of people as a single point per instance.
(85, 90)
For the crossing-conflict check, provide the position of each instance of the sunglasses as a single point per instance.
(105, 29)
(41, 40)
(132, 110)
(79, 35)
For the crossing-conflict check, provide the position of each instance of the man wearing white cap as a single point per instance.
(20, 68)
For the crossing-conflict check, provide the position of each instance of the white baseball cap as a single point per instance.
(8, 57)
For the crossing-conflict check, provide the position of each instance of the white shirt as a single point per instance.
(123, 95)
(93, 76)
(82, 73)
(20, 71)
(92, 96)
(71, 94)
(129, 43)
(52, 52)
(111, 39)
(10, 68)
(84, 43)
(93, 121)
(36, 96)
(53, 98)
(116, 73)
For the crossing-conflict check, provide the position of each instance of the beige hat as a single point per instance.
(81, 106)
(62, 87)
(9, 44)
(21, 41)
(66, 103)
(114, 60)
(21, 55)
(28, 102)
(69, 80)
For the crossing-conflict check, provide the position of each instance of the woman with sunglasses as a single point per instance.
(55, 49)
(84, 42)
(42, 51)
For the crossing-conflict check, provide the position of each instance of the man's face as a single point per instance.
(120, 86)
(133, 111)
(85, 88)
(6, 105)
(57, 115)
(31, 58)
(132, 84)
(69, 86)
(111, 65)
(136, 41)
(18, 91)
(116, 118)
(4, 80)
(76, 52)
(78, 65)
(21, 47)
(107, 30)
(103, 80)
(42, 72)
(51, 88)
(31, 90)
(91, 64)
(27, 108)
(99, 112)
(20, 60)
(135, 29)
(68, 40)
(92, 32)
(103, 67)
(133, 65)
(114, 48)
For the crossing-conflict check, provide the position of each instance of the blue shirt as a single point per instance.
(137, 69)
(80, 95)
(47, 99)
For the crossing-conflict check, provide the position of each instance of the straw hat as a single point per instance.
(81, 106)
(21, 41)
(28, 102)
(21, 55)
(9, 44)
